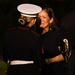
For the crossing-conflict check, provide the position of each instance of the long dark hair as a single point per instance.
(50, 13)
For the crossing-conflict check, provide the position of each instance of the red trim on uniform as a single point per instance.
(35, 33)
(11, 28)
(23, 28)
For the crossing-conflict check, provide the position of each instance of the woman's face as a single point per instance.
(45, 20)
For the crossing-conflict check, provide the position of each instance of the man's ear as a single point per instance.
(51, 20)
(21, 21)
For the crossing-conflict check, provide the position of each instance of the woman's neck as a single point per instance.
(45, 30)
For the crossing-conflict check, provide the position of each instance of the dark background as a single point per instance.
(8, 12)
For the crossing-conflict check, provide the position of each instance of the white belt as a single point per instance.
(18, 62)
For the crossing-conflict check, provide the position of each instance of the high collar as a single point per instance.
(24, 28)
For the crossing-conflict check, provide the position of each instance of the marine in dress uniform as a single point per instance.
(22, 46)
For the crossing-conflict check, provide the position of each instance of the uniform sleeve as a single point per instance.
(5, 51)
(39, 60)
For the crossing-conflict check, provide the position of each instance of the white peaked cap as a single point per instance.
(29, 10)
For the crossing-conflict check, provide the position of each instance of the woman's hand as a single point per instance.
(55, 59)
(32, 23)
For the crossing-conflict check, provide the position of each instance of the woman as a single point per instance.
(54, 44)
(22, 48)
